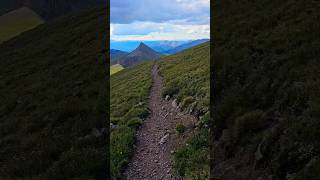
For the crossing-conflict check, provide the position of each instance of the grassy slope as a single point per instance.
(53, 85)
(186, 78)
(18, 21)
(266, 56)
(115, 68)
(130, 89)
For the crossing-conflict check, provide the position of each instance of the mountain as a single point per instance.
(53, 82)
(18, 21)
(115, 54)
(186, 46)
(49, 9)
(159, 46)
(140, 54)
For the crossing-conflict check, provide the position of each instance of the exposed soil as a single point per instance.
(157, 139)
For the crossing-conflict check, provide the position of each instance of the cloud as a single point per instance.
(159, 31)
(129, 11)
(159, 20)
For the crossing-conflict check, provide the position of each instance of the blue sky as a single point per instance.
(146, 20)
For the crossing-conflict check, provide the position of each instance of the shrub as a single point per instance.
(192, 161)
(186, 101)
(137, 112)
(248, 123)
(171, 89)
(134, 122)
(180, 128)
(121, 142)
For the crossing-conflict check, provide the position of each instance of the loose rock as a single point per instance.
(163, 139)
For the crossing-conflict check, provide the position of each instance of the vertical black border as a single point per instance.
(107, 52)
(212, 93)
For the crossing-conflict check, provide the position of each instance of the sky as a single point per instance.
(146, 20)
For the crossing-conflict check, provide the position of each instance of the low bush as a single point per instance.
(186, 101)
(248, 124)
(192, 159)
(136, 122)
(180, 128)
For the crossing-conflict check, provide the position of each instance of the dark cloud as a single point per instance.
(128, 11)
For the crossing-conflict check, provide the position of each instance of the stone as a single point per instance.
(112, 126)
(167, 98)
(258, 155)
(172, 152)
(174, 103)
(163, 139)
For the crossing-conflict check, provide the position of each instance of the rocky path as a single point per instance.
(157, 139)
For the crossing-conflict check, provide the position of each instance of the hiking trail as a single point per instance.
(157, 138)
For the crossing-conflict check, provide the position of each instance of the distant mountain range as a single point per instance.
(140, 54)
(163, 47)
(116, 54)
(49, 9)
(144, 52)
(159, 46)
(186, 46)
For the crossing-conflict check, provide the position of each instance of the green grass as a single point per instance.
(187, 79)
(18, 21)
(266, 58)
(130, 89)
(115, 68)
(53, 83)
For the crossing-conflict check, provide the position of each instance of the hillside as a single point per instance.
(141, 54)
(187, 79)
(266, 60)
(186, 46)
(53, 82)
(17, 21)
(115, 68)
(130, 89)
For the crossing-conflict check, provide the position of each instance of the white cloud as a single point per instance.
(159, 31)
(159, 20)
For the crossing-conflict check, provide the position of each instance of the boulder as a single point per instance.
(167, 98)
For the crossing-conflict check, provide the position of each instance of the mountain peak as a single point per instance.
(142, 45)
(140, 54)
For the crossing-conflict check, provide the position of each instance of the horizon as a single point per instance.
(131, 45)
(167, 20)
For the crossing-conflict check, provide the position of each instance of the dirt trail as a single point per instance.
(157, 138)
